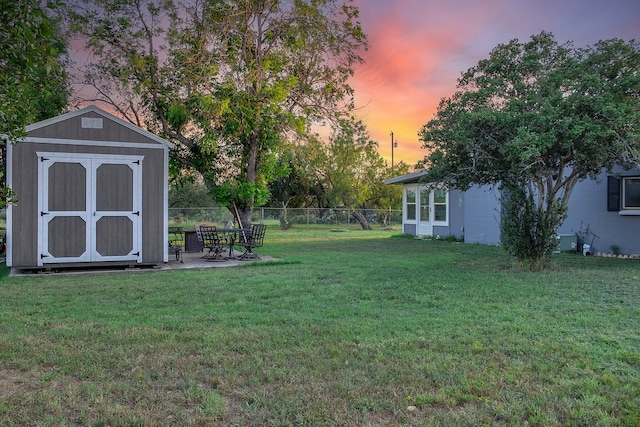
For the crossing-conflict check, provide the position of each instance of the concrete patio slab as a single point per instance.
(190, 260)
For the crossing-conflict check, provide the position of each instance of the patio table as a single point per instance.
(232, 235)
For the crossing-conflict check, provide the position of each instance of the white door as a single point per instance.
(425, 214)
(89, 208)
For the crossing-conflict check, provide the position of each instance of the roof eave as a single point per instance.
(410, 178)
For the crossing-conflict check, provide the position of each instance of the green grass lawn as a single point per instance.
(348, 329)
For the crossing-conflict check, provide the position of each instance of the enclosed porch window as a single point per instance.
(426, 205)
(410, 203)
(440, 205)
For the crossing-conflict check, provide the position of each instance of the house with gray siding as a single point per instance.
(92, 190)
(604, 212)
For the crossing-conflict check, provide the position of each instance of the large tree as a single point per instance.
(228, 81)
(294, 187)
(33, 83)
(535, 118)
(350, 172)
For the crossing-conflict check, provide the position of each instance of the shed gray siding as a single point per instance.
(112, 139)
(71, 128)
(25, 212)
(588, 213)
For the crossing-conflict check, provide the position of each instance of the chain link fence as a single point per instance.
(308, 218)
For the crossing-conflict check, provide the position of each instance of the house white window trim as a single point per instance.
(444, 222)
(405, 204)
(627, 210)
(417, 190)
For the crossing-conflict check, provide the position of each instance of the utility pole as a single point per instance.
(394, 144)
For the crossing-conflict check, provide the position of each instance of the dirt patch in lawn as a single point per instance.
(14, 381)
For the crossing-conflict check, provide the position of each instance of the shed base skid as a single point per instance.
(78, 267)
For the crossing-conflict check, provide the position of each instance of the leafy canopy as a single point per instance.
(536, 118)
(538, 110)
(33, 81)
(230, 82)
(32, 76)
(347, 170)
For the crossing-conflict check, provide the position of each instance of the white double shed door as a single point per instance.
(89, 208)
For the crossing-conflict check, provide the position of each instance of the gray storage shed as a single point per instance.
(92, 190)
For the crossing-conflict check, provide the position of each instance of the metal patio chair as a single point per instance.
(212, 241)
(176, 238)
(251, 240)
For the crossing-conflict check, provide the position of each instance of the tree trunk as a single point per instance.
(362, 219)
(384, 216)
(245, 212)
(284, 224)
(242, 217)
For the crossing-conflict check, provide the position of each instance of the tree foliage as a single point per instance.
(535, 118)
(188, 194)
(347, 171)
(33, 54)
(294, 187)
(229, 81)
(33, 82)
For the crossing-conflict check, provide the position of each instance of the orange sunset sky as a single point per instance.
(418, 49)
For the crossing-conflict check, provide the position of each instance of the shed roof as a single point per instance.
(100, 112)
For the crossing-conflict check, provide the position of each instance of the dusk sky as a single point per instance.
(419, 48)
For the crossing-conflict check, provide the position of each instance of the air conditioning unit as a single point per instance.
(567, 243)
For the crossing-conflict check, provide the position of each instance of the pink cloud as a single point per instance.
(418, 48)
